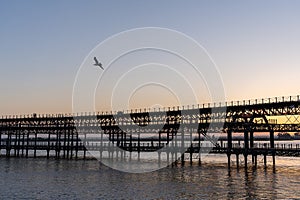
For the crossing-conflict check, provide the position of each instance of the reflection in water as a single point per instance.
(78, 179)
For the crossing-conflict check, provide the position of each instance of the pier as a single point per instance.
(173, 131)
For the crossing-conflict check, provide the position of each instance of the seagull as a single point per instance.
(97, 63)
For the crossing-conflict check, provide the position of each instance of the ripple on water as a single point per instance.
(69, 179)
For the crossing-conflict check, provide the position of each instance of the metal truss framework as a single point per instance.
(152, 129)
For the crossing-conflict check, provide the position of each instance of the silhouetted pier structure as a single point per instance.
(190, 129)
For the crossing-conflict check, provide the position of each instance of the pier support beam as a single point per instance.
(64, 142)
(272, 145)
(8, 144)
(68, 143)
(191, 147)
(246, 147)
(191, 154)
(15, 143)
(77, 143)
(48, 148)
(27, 144)
(85, 144)
(246, 160)
(272, 139)
(229, 146)
(199, 147)
(19, 142)
(23, 142)
(252, 144)
(35, 144)
(182, 147)
(182, 159)
(228, 160)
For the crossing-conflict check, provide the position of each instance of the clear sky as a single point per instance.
(255, 44)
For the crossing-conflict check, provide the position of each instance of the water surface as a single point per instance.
(40, 178)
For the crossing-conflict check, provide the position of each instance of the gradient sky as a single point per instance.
(255, 44)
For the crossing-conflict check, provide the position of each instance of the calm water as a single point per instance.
(78, 179)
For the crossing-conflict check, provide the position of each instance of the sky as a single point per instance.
(255, 45)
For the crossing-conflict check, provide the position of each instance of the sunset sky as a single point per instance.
(255, 45)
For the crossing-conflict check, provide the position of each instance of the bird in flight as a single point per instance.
(97, 63)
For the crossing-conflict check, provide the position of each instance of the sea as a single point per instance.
(41, 178)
